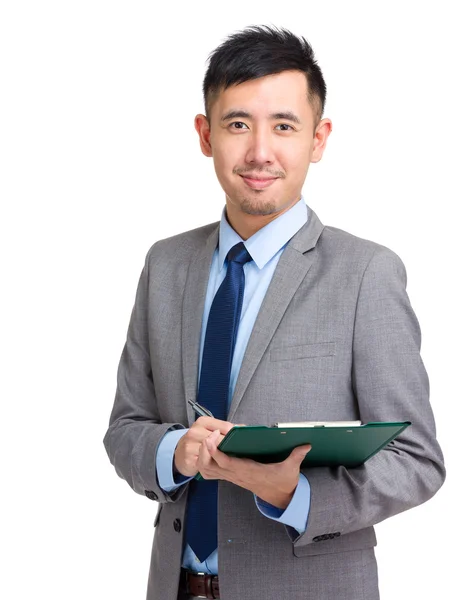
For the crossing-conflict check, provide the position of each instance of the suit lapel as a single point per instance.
(291, 269)
(192, 314)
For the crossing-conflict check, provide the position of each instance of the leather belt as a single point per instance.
(201, 585)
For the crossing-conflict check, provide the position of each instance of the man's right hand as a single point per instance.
(188, 447)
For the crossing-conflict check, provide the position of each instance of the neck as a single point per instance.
(246, 225)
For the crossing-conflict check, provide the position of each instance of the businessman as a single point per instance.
(268, 315)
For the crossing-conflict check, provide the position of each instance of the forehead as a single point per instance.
(272, 93)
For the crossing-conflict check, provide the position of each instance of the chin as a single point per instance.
(261, 210)
(254, 206)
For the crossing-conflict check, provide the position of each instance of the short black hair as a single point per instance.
(261, 50)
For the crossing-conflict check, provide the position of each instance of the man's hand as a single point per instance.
(275, 482)
(188, 448)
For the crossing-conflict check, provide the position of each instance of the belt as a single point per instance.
(201, 585)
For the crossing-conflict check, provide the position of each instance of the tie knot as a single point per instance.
(239, 254)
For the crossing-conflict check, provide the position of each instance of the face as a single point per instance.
(262, 141)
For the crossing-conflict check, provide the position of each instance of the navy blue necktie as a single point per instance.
(213, 393)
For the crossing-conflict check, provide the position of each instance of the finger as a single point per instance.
(213, 439)
(205, 463)
(211, 424)
(219, 457)
(203, 460)
(198, 432)
(298, 454)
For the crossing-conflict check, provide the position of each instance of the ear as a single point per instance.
(320, 139)
(203, 129)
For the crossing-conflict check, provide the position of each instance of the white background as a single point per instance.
(99, 159)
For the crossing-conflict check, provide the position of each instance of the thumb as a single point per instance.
(300, 452)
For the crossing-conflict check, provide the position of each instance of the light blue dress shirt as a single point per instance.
(265, 247)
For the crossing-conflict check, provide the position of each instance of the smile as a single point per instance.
(258, 184)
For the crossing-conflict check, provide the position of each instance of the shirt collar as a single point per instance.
(266, 242)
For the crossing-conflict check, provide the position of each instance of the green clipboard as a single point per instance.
(330, 446)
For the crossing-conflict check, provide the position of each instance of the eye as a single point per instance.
(285, 125)
(241, 125)
(237, 123)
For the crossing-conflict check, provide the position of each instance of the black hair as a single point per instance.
(257, 51)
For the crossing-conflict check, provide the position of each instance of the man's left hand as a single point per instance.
(275, 482)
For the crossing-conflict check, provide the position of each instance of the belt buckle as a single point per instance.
(198, 573)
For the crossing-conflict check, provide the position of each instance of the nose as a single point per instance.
(260, 149)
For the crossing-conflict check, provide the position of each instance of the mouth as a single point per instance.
(258, 183)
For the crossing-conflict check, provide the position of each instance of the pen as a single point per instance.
(199, 409)
(203, 412)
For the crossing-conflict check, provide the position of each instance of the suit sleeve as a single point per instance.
(135, 427)
(390, 383)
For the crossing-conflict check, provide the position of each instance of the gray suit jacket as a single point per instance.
(335, 339)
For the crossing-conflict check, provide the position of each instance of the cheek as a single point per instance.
(302, 151)
(296, 160)
(223, 163)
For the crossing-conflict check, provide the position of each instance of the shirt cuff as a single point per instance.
(296, 513)
(165, 461)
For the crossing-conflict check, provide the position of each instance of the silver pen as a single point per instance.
(199, 409)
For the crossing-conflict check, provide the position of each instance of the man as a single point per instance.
(266, 316)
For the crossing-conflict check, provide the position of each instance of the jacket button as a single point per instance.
(177, 525)
(151, 495)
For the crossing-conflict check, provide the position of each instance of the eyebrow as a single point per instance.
(286, 115)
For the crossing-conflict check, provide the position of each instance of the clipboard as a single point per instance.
(331, 446)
